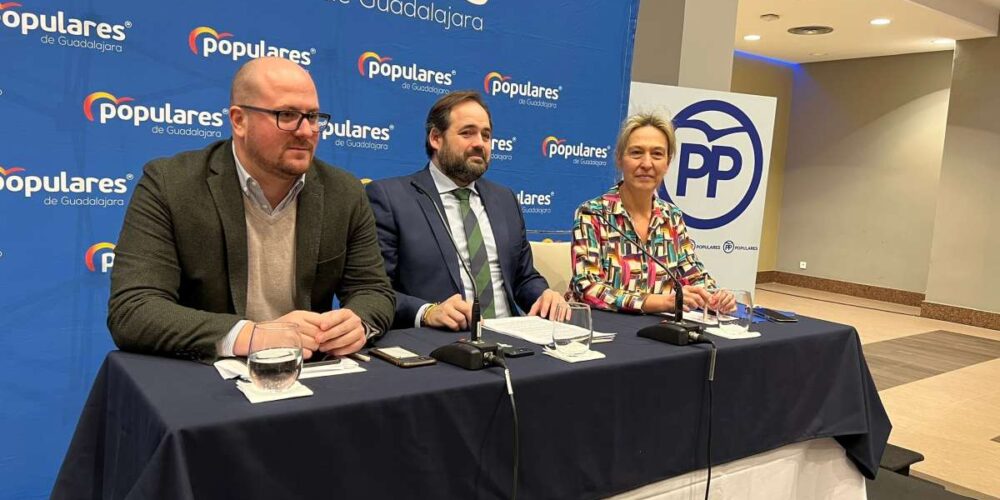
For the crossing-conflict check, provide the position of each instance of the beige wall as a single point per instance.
(965, 257)
(688, 43)
(757, 76)
(861, 174)
(656, 57)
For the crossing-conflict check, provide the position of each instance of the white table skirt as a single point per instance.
(816, 469)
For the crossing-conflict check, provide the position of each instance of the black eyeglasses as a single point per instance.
(290, 120)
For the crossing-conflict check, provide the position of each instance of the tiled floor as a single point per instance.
(939, 382)
(909, 359)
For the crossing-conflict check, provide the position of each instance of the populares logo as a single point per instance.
(206, 41)
(371, 65)
(17, 180)
(527, 92)
(107, 254)
(502, 149)
(580, 153)
(165, 116)
(348, 133)
(59, 23)
(66, 31)
(535, 203)
(720, 157)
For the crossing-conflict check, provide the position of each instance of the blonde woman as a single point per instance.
(609, 271)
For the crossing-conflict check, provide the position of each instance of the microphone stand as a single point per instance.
(674, 331)
(475, 353)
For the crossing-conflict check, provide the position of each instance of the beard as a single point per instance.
(465, 167)
(275, 166)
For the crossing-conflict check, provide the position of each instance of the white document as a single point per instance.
(535, 329)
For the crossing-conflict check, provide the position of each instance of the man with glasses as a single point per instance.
(250, 229)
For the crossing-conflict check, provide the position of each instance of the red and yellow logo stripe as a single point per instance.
(549, 140)
(493, 75)
(88, 102)
(369, 55)
(88, 258)
(204, 30)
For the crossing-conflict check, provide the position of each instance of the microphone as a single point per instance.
(676, 331)
(474, 354)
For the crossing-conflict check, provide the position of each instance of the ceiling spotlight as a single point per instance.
(880, 21)
(752, 38)
(943, 41)
(769, 17)
(817, 54)
(810, 30)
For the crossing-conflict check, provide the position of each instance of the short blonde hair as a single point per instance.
(640, 120)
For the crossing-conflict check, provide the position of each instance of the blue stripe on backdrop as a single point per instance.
(92, 90)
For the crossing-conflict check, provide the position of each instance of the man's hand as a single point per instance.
(341, 332)
(454, 314)
(307, 323)
(548, 303)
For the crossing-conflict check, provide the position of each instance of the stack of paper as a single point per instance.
(535, 329)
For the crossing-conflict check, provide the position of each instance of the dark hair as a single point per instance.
(439, 117)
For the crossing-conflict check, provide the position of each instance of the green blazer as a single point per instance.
(179, 282)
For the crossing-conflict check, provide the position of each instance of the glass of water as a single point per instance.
(571, 329)
(275, 358)
(736, 321)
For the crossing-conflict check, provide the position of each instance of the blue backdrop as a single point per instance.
(92, 90)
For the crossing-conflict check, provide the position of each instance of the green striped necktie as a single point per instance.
(478, 262)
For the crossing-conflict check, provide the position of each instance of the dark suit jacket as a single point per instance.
(179, 282)
(419, 257)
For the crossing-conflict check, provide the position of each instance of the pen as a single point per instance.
(357, 356)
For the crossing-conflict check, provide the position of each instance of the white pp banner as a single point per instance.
(718, 175)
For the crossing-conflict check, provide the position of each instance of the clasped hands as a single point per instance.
(339, 332)
(695, 297)
(455, 313)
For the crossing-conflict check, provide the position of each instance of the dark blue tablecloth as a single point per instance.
(163, 428)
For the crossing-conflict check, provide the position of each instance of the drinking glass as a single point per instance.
(737, 321)
(571, 329)
(275, 359)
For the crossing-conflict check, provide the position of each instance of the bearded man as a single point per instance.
(433, 284)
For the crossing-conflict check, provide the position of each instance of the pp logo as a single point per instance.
(107, 258)
(714, 136)
(728, 246)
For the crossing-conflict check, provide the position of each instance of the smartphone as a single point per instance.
(775, 316)
(517, 352)
(401, 357)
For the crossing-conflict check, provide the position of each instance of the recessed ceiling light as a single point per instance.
(769, 17)
(810, 30)
(817, 53)
(752, 38)
(880, 21)
(943, 41)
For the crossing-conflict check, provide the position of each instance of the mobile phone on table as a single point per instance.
(401, 357)
(517, 352)
(775, 316)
